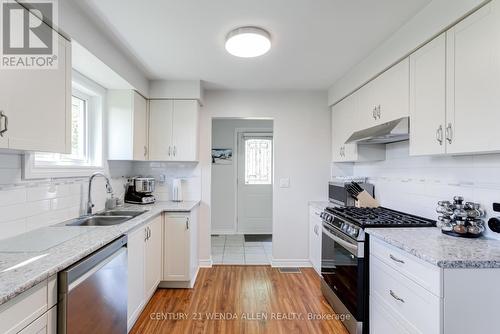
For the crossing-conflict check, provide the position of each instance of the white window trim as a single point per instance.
(95, 130)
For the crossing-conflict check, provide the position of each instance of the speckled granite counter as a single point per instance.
(320, 204)
(15, 280)
(444, 251)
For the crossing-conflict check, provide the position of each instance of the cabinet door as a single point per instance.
(176, 251)
(160, 129)
(344, 117)
(428, 98)
(37, 104)
(382, 320)
(153, 256)
(367, 105)
(392, 92)
(315, 235)
(473, 83)
(185, 130)
(135, 261)
(140, 126)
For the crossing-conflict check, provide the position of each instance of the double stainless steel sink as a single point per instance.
(106, 218)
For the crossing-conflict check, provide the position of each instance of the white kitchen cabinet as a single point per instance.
(173, 130)
(153, 256)
(410, 295)
(315, 238)
(36, 104)
(135, 261)
(428, 98)
(386, 97)
(345, 119)
(127, 125)
(180, 249)
(46, 324)
(473, 82)
(144, 266)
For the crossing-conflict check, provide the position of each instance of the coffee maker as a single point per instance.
(140, 190)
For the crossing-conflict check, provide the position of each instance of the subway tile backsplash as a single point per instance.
(416, 184)
(28, 205)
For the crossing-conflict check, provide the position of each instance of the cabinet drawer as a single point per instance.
(420, 309)
(383, 320)
(423, 273)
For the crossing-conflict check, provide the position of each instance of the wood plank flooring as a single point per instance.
(253, 299)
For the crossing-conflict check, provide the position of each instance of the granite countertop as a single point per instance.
(430, 245)
(320, 204)
(16, 277)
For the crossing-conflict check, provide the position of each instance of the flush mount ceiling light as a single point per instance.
(248, 42)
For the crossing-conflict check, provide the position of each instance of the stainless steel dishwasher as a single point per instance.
(93, 292)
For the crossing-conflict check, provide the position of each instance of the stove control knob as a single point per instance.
(322, 215)
(329, 219)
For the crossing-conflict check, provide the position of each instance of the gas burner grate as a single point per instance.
(379, 217)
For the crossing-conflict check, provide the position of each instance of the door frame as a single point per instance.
(237, 133)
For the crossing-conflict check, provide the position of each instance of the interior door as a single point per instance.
(473, 84)
(160, 129)
(255, 183)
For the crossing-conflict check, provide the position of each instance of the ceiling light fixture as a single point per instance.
(248, 42)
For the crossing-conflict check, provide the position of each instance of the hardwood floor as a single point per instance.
(254, 299)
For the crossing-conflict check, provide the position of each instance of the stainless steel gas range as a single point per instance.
(344, 258)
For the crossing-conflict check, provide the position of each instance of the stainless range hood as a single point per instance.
(390, 132)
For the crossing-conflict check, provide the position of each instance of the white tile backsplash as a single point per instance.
(27, 205)
(416, 184)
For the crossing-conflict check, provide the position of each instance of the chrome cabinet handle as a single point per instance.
(374, 113)
(449, 133)
(169, 150)
(379, 112)
(393, 295)
(149, 232)
(439, 135)
(146, 234)
(393, 258)
(187, 223)
(145, 151)
(6, 123)
(316, 227)
(175, 150)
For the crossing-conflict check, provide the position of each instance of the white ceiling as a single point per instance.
(314, 42)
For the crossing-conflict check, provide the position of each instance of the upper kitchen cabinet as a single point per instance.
(127, 125)
(385, 98)
(35, 110)
(473, 82)
(173, 130)
(428, 98)
(345, 119)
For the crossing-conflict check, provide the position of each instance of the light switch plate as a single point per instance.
(285, 182)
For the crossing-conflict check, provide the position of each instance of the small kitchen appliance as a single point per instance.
(140, 190)
(345, 257)
(339, 194)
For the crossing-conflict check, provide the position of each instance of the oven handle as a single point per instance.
(352, 248)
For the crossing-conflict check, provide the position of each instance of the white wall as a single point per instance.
(416, 184)
(223, 176)
(431, 20)
(77, 25)
(301, 152)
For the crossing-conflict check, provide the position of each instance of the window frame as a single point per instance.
(95, 95)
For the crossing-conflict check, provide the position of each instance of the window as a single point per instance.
(86, 137)
(258, 161)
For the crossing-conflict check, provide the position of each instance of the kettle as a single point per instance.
(177, 190)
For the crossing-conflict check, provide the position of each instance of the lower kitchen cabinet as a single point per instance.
(33, 311)
(180, 250)
(409, 295)
(315, 235)
(144, 267)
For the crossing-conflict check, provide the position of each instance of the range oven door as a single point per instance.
(342, 269)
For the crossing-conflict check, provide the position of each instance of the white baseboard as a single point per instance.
(280, 263)
(205, 263)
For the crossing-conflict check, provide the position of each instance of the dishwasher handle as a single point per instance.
(75, 274)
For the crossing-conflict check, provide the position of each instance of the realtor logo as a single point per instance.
(27, 41)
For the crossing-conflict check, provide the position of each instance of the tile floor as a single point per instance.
(232, 249)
